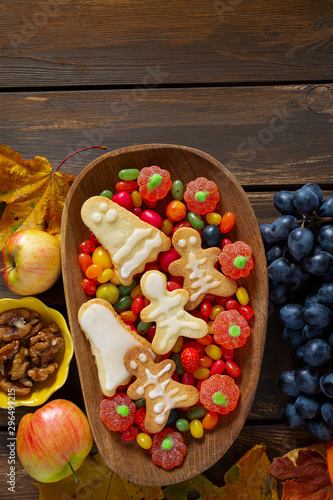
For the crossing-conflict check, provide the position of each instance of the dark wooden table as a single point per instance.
(247, 82)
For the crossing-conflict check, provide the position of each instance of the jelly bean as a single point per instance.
(227, 353)
(93, 238)
(215, 311)
(151, 266)
(167, 257)
(213, 218)
(108, 292)
(137, 304)
(88, 286)
(128, 316)
(143, 327)
(123, 303)
(175, 211)
(206, 308)
(225, 242)
(137, 211)
(195, 220)
(232, 369)
(107, 194)
(136, 292)
(132, 327)
(172, 418)
(126, 290)
(193, 343)
(227, 222)
(85, 261)
(211, 236)
(150, 204)
(180, 370)
(232, 304)
(210, 297)
(206, 361)
(87, 246)
(217, 367)
(144, 440)
(152, 218)
(140, 403)
(129, 434)
(246, 312)
(197, 411)
(222, 300)
(196, 428)
(129, 174)
(206, 340)
(214, 351)
(178, 345)
(177, 190)
(146, 302)
(201, 373)
(102, 257)
(182, 425)
(188, 379)
(123, 199)
(242, 296)
(210, 420)
(127, 186)
(105, 276)
(114, 278)
(175, 377)
(210, 329)
(93, 271)
(172, 285)
(184, 223)
(137, 199)
(167, 226)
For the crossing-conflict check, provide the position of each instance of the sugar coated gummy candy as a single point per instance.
(154, 183)
(168, 448)
(219, 393)
(201, 195)
(230, 329)
(236, 260)
(117, 412)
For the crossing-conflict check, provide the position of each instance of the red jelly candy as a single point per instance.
(230, 329)
(173, 285)
(87, 246)
(219, 393)
(232, 304)
(140, 416)
(137, 305)
(201, 195)
(168, 448)
(85, 261)
(123, 199)
(236, 260)
(246, 311)
(128, 186)
(190, 359)
(88, 286)
(154, 183)
(232, 369)
(218, 367)
(117, 412)
(167, 257)
(152, 218)
(130, 434)
(93, 238)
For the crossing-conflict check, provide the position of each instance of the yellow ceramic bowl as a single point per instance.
(41, 391)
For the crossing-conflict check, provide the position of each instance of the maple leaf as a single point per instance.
(248, 479)
(305, 472)
(32, 195)
(99, 482)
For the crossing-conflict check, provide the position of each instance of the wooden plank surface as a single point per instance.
(266, 136)
(120, 42)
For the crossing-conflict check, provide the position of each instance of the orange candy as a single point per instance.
(175, 211)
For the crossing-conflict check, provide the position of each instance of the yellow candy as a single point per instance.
(242, 296)
(101, 257)
(210, 329)
(213, 351)
(167, 226)
(114, 279)
(201, 373)
(105, 276)
(213, 218)
(178, 345)
(144, 440)
(215, 311)
(137, 198)
(136, 292)
(196, 428)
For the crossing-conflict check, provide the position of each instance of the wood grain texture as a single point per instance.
(121, 42)
(264, 135)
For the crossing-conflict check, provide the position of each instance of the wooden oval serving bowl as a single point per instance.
(128, 459)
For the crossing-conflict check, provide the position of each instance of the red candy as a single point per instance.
(93, 238)
(206, 308)
(128, 186)
(188, 379)
(230, 329)
(140, 416)
(175, 211)
(167, 257)
(154, 183)
(173, 285)
(219, 393)
(123, 199)
(232, 304)
(225, 242)
(168, 449)
(85, 261)
(152, 218)
(129, 434)
(190, 359)
(201, 196)
(236, 260)
(87, 246)
(88, 286)
(117, 412)
(227, 222)
(137, 305)
(246, 312)
(218, 367)
(232, 369)
(184, 223)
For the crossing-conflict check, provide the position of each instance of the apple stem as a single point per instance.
(79, 151)
(4, 268)
(77, 480)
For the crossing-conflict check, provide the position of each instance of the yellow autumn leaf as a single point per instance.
(32, 196)
(99, 482)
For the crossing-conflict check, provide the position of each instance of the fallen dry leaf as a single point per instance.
(248, 479)
(34, 196)
(97, 482)
(305, 472)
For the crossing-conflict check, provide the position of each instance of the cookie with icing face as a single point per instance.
(130, 241)
(196, 265)
(154, 383)
(166, 309)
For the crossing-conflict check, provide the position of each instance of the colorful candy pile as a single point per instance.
(206, 363)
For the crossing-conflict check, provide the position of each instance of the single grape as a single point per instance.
(291, 316)
(309, 333)
(305, 200)
(279, 292)
(311, 299)
(281, 270)
(274, 253)
(288, 385)
(289, 414)
(268, 238)
(316, 189)
(319, 264)
(320, 429)
(327, 412)
(326, 384)
(316, 352)
(293, 337)
(317, 315)
(300, 243)
(307, 379)
(300, 354)
(283, 202)
(325, 294)
(283, 225)
(307, 406)
(326, 208)
(325, 238)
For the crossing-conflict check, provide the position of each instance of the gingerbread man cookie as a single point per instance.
(167, 310)
(154, 383)
(196, 265)
(130, 241)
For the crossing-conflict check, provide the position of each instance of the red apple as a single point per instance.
(31, 261)
(56, 435)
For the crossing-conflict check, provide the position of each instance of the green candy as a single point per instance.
(140, 403)
(180, 370)
(129, 174)
(143, 327)
(196, 412)
(154, 181)
(240, 261)
(126, 290)
(177, 190)
(123, 303)
(195, 220)
(182, 425)
(107, 194)
(122, 410)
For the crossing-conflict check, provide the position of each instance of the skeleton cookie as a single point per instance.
(130, 241)
(154, 383)
(167, 310)
(196, 265)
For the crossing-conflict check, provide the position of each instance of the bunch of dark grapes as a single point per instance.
(299, 250)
